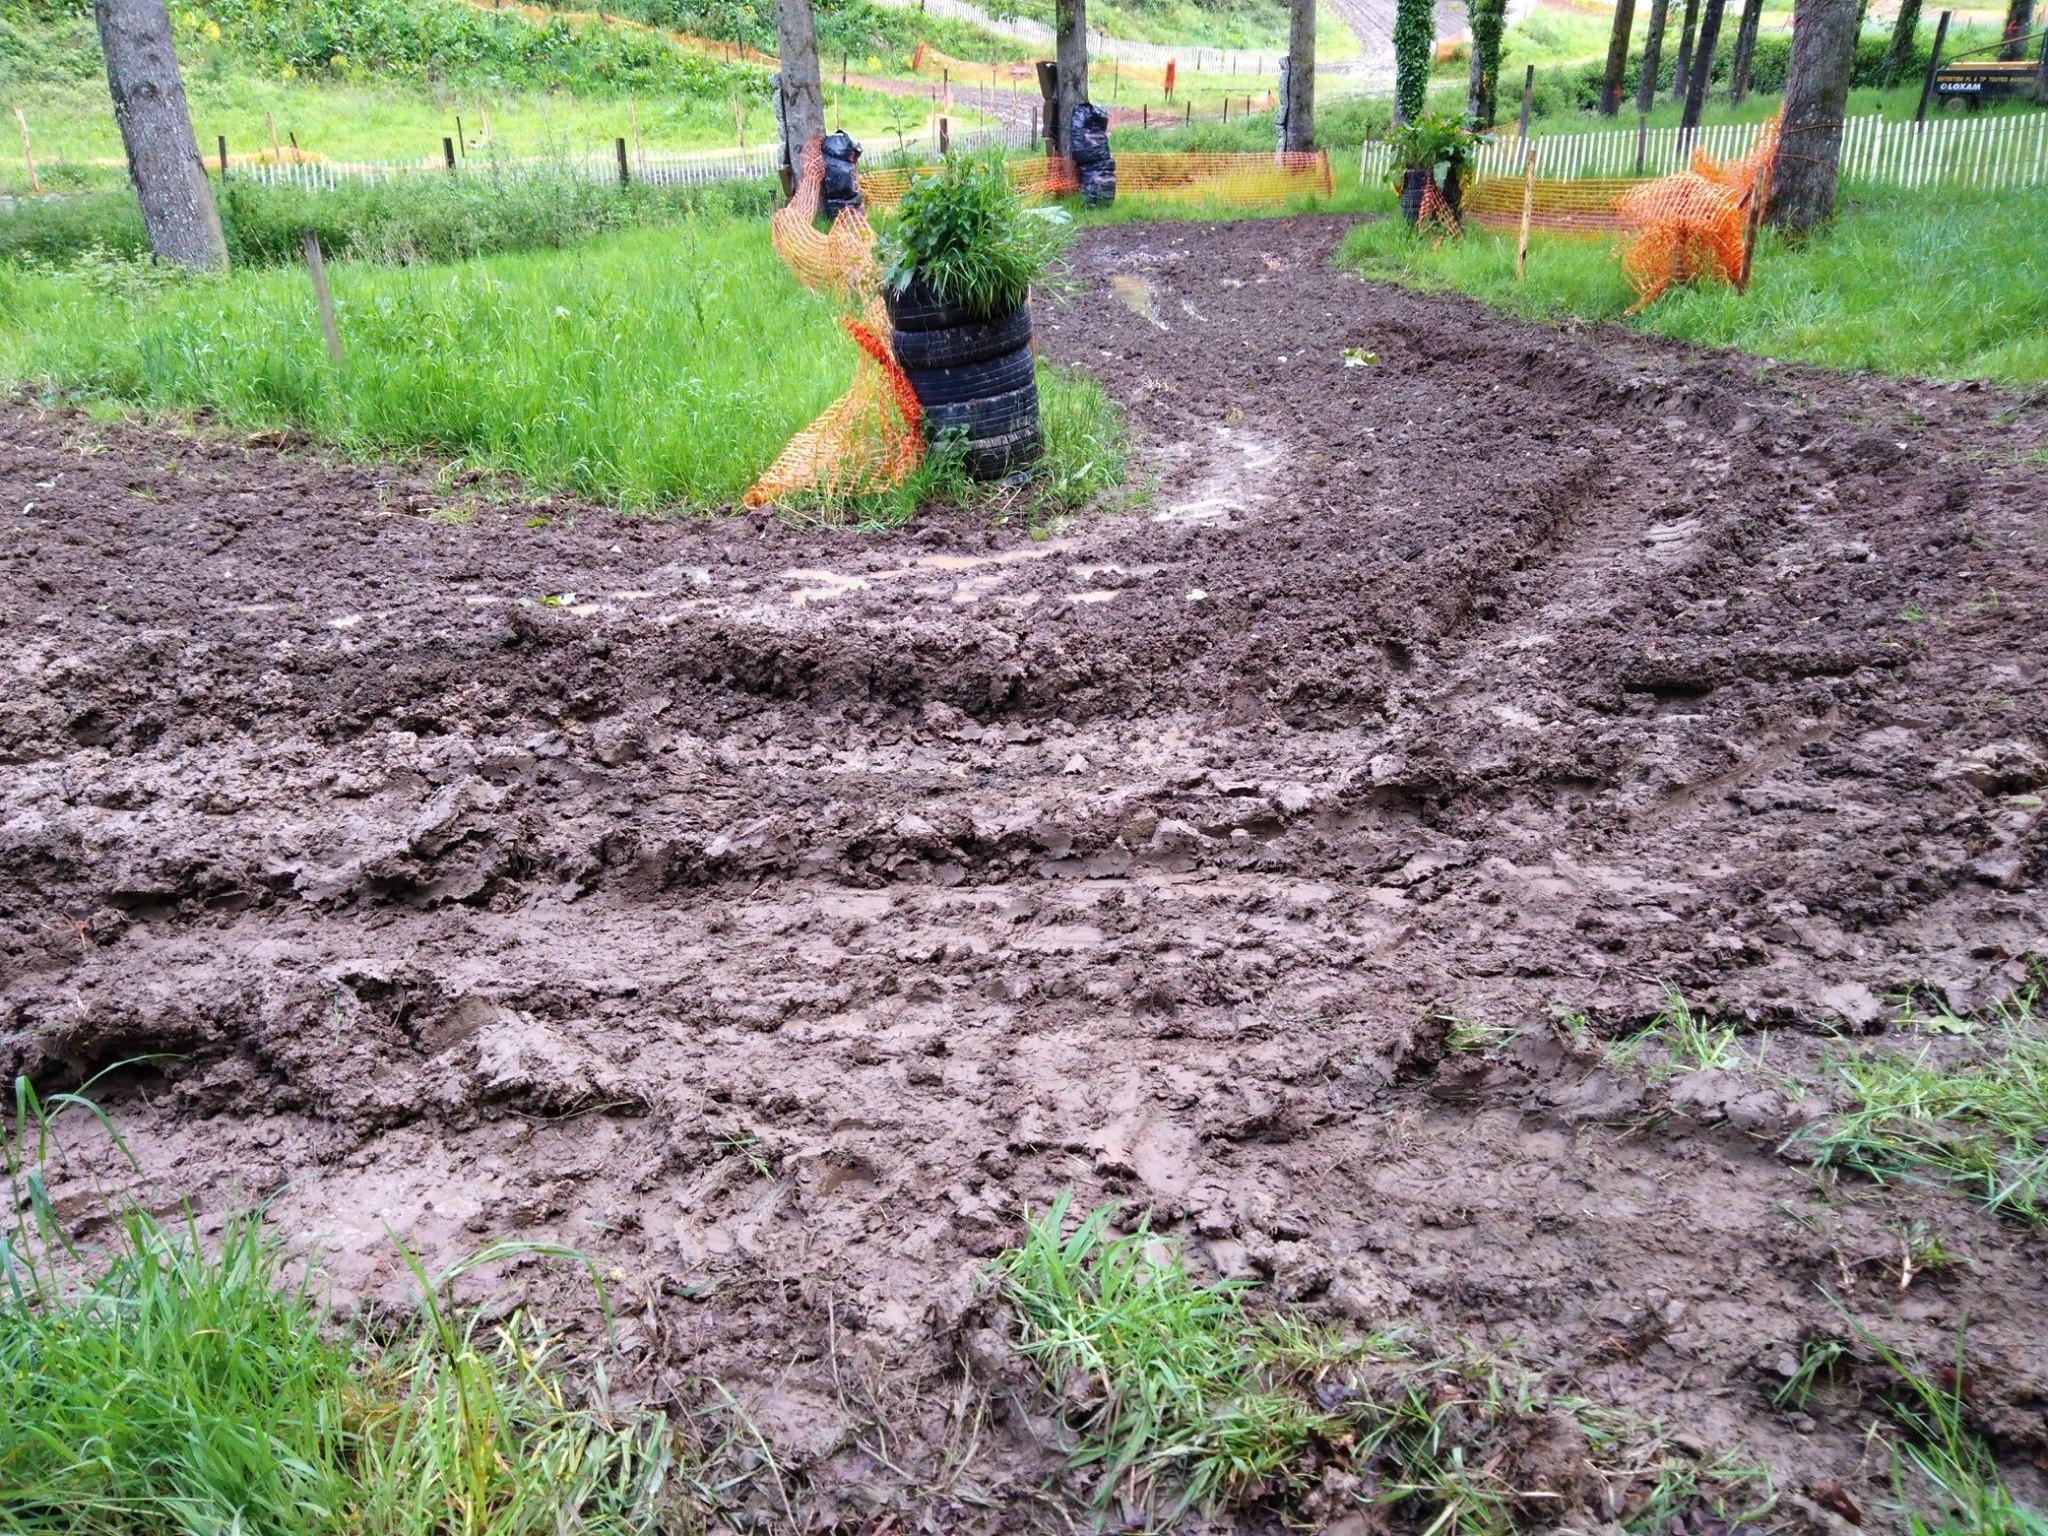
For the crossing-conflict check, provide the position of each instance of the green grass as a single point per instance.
(1880, 288)
(1971, 1114)
(1184, 1395)
(168, 1383)
(1945, 1478)
(652, 368)
(1193, 1396)
(1677, 1040)
(573, 99)
(404, 220)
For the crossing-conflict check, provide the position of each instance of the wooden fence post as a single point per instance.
(448, 150)
(625, 175)
(1528, 207)
(1528, 95)
(1758, 192)
(34, 182)
(1933, 64)
(945, 138)
(322, 297)
(223, 157)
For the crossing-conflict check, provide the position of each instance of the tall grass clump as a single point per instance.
(1187, 1391)
(660, 367)
(1970, 1113)
(1879, 288)
(170, 1383)
(1183, 1395)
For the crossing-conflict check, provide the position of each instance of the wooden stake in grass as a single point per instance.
(322, 297)
(27, 159)
(223, 157)
(625, 175)
(1759, 192)
(1528, 207)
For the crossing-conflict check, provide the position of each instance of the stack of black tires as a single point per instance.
(973, 377)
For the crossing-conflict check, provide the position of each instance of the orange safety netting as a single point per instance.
(1697, 223)
(868, 439)
(1238, 179)
(1678, 229)
(1017, 73)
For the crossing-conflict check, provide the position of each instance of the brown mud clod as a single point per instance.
(775, 915)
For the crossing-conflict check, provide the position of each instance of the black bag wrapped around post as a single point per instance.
(1088, 139)
(842, 179)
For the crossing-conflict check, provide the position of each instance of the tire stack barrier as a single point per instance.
(973, 377)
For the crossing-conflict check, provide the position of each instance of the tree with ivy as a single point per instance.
(1483, 82)
(1414, 38)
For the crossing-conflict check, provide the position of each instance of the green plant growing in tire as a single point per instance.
(1431, 147)
(958, 264)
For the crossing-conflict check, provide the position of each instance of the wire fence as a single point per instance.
(660, 168)
(1987, 151)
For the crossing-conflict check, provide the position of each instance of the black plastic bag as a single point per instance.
(842, 180)
(1088, 143)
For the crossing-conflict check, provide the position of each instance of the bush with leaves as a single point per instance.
(966, 234)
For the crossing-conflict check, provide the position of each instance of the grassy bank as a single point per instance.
(653, 367)
(1880, 288)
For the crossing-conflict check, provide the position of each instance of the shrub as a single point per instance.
(965, 232)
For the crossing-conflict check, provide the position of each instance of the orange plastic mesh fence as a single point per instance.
(1677, 229)
(1239, 179)
(868, 439)
(1018, 73)
(1583, 204)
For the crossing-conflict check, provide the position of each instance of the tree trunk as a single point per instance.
(1745, 49)
(803, 97)
(1898, 58)
(1482, 82)
(1070, 53)
(1617, 57)
(1681, 75)
(1816, 91)
(1414, 37)
(156, 127)
(2019, 21)
(1653, 55)
(1301, 76)
(1703, 61)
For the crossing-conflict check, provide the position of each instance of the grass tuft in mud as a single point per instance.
(171, 1383)
(1969, 1110)
(1184, 1395)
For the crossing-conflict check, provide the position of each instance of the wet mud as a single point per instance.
(774, 913)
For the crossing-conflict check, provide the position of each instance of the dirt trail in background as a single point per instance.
(508, 880)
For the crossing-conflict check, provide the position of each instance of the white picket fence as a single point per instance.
(1984, 150)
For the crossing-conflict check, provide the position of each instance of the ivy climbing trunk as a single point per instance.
(1070, 54)
(1745, 49)
(1898, 58)
(1414, 36)
(1617, 57)
(178, 211)
(1301, 76)
(1681, 75)
(1482, 81)
(1653, 55)
(1816, 90)
(1702, 63)
(803, 97)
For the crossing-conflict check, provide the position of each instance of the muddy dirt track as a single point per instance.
(779, 912)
